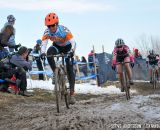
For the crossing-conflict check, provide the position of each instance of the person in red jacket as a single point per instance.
(137, 54)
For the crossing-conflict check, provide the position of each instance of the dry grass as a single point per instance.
(39, 96)
(8, 99)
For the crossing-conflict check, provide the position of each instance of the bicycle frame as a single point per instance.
(61, 89)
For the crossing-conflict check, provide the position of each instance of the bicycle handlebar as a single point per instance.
(60, 55)
(123, 63)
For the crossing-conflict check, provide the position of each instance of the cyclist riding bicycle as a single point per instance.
(121, 53)
(63, 42)
(152, 59)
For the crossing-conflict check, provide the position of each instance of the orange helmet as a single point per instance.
(51, 19)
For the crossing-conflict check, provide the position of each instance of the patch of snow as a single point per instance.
(85, 88)
(143, 105)
(116, 106)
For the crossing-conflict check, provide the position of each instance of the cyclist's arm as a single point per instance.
(128, 50)
(44, 46)
(44, 41)
(130, 54)
(69, 38)
(157, 57)
(73, 43)
(114, 55)
(147, 60)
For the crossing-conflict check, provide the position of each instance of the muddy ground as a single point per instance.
(91, 112)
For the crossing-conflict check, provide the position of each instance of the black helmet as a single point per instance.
(11, 18)
(119, 42)
(151, 52)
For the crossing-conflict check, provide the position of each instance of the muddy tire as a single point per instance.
(64, 90)
(154, 78)
(126, 85)
(57, 89)
(66, 96)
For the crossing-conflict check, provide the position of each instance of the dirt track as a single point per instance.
(91, 112)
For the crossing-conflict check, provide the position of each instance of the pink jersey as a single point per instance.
(122, 52)
(124, 49)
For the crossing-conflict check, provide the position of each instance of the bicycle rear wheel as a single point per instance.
(57, 88)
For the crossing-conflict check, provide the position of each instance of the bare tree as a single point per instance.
(155, 43)
(145, 43)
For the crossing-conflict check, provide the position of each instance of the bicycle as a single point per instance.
(125, 80)
(154, 76)
(61, 89)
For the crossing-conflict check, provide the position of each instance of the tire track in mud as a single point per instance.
(99, 113)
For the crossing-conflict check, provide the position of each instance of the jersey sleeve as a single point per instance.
(45, 35)
(45, 41)
(127, 49)
(68, 33)
(69, 37)
(114, 53)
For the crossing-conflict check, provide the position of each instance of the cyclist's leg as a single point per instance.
(120, 76)
(71, 79)
(70, 69)
(70, 74)
(53, 50)
(157, 72)
(128, 68)
(150, 73)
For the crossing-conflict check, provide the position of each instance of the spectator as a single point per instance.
(19, 60)
(75, 64)
(137, 53)
(83, 66)
(91, 61)
(10, 21)
(5, 35)
(77, 58)
(36, 50)
(6, 73)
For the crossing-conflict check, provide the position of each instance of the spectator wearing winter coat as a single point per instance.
(137, 53)
(36, 50)
(6, 73)
(10, 21)
(20, 60)
(83, 66)
(4, 41)
(91, 59)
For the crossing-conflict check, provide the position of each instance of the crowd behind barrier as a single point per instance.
(104, 70)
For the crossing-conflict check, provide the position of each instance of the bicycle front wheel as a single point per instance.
(65, 92)
(126, 85)
(154, 79)
(57, 88)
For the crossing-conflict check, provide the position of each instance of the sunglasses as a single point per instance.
(49, 26)
(119, 46)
